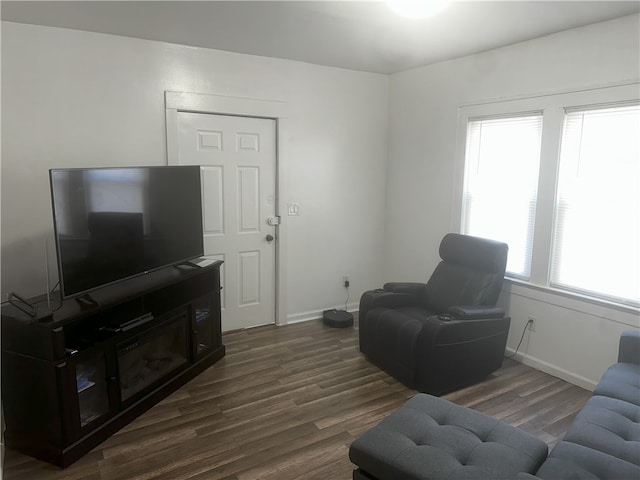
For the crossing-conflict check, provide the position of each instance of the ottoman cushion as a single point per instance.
(432, 438)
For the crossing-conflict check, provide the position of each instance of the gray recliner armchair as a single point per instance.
(446, 333)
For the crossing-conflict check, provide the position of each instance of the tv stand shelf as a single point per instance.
(73, 377)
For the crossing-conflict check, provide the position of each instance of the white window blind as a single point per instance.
(502, 161)
(596, 247)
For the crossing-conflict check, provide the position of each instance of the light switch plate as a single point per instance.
(293, 208)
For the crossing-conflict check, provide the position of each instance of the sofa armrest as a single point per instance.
(464, 312)
(629, 347)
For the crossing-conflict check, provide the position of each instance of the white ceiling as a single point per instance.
(358, 35)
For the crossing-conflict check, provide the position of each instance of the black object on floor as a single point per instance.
(337, 318)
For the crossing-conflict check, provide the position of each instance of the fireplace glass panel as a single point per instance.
(204, 330)
(91, 385)
(151, 357)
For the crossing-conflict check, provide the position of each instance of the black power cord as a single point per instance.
(521, 338)
(346, 287)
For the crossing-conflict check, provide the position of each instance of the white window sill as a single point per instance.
(617, 312)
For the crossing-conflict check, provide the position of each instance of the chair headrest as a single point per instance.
(474, 252)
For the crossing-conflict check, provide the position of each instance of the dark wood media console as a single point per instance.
(73, 378)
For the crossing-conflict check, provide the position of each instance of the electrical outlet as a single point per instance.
(531, 323)
(345, 281)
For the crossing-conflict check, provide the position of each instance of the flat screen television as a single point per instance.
(115, 223)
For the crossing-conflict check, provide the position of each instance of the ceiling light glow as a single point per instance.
(417, 8)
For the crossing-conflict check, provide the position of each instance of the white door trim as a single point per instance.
(246, 107)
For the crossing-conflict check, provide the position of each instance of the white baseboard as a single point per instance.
(554, 370)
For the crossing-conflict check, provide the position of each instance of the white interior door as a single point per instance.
(237, 156)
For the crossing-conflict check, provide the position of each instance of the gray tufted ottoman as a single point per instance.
(430, 438)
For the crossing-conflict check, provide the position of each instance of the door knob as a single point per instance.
(269, 238)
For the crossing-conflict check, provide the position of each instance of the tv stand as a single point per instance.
(87, 302)
(70, 383)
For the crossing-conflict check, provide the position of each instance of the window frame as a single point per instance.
(463, 218)
(553, 107)
(554, 282)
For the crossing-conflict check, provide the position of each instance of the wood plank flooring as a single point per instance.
(286, 403)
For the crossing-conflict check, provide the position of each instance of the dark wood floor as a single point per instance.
(285, 403)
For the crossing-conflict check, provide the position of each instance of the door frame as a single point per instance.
(243, 107)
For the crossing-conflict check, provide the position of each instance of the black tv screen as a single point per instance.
(114, 223)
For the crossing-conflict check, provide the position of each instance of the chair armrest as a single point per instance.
(380, 298)
(437, 331)
(375, 299)
(412, 288)
(463, 312)
(415, 290)
(452, 353)
(629, 347)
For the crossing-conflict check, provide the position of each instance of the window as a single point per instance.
(560, 184)
(501, 184)
(596, 246)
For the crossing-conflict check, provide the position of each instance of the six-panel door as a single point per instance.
(237, 156)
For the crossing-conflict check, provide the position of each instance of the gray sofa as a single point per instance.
(604, 440)
(430, 438)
